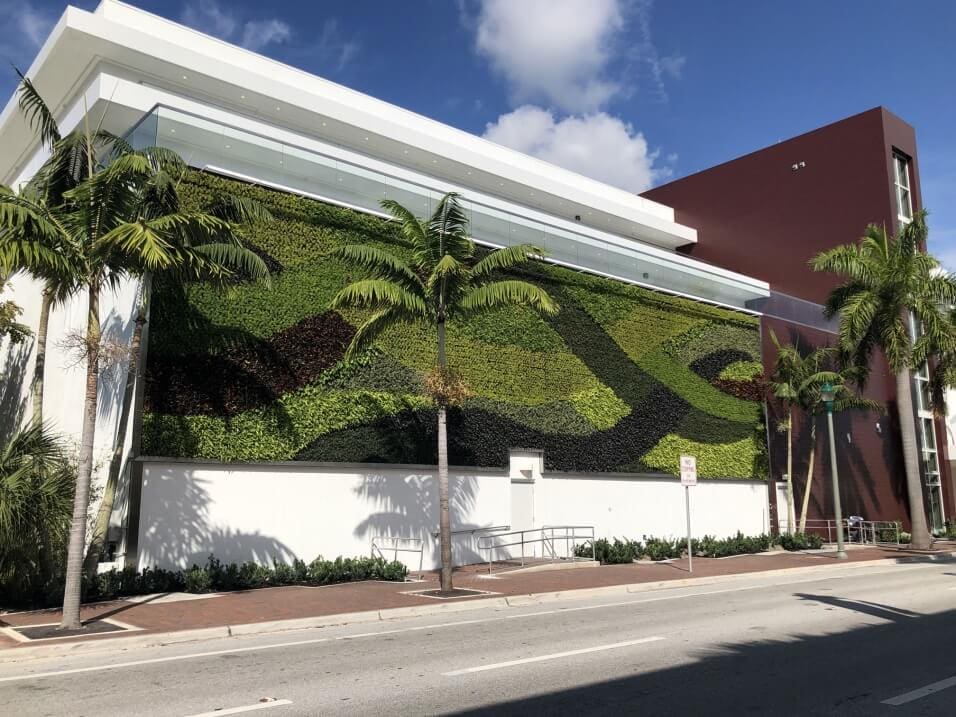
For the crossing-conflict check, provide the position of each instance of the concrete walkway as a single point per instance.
(188, 617)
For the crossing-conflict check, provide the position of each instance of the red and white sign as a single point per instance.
(688, 470)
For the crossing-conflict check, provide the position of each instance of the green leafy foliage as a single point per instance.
(799, 541)
(663, 548)
(739, 544)
(611, 553)
(620, 379)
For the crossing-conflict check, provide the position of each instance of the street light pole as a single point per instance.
(827, 394)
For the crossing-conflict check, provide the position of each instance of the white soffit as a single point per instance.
(142, 47)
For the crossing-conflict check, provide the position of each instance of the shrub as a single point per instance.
(663, 548)
(197, 580)
(608, 553)
(951, 529)
(799, 541)
(739, 544)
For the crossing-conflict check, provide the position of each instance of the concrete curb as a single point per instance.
(159, 639)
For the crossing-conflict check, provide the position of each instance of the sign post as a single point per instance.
(688, 477)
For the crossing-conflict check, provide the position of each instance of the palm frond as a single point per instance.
(506, 258)
(36, 111)
(239, 261)
(239, 210)
(367, 333)
(379, 263)
(380, 294)
(508, 293)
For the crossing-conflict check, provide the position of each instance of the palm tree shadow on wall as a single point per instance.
(176, 529)
(13, 400)
(407, 507)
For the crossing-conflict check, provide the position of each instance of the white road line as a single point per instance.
(921, 692)
(554, 656)
(156, 660)
(247, 708)
(418, 628)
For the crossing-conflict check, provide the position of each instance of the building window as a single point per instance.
(901, 178)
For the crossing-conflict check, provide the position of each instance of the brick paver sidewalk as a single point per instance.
(282, 603)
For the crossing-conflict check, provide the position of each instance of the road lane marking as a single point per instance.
(553, 656)
(418, 628)
(921, 692)
(248, 708)
(157, 660)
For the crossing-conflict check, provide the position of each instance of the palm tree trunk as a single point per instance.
(790, 515)
(806, 491)
(39, 367)
(81, 495)
(914, 487)
(133, 375)
(444, 519)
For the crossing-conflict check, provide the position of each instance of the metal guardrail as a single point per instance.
(472, 531)
(863, 532)
(394, 545)
(548, 536)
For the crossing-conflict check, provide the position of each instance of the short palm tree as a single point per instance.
(796, 381)
(36, 489)
(443, 281)
(105, 231)
(892, 299)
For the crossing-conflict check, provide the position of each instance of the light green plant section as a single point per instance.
(509, 374)
(600, 406)
(742, 370)
(714, 460)
(280, 430)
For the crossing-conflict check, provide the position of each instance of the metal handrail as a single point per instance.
(395, 548)
(461, 531)
(546, 536)
(855, 531)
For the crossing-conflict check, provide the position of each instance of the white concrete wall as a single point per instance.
(189, 510)
(633, 506)
(286, 511)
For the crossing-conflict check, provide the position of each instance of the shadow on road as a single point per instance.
(844, 673)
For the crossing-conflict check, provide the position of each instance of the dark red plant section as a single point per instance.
(752, 390)
(248, 375)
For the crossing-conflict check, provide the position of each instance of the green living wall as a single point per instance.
(622, 379)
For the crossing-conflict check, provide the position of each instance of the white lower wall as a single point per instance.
(283, 512)
(633, 506)
(238, 513)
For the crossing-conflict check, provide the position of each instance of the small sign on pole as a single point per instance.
(688, 478)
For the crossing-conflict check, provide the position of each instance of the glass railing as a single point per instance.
(220, 148)
(797, 311)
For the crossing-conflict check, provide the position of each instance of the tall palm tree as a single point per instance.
(442, 282)
(104, 230)
(785, 384)
(74, 156)
(226, 261)
(892, 300)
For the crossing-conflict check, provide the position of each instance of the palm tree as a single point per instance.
(36, 487)
(104, 230)
(892, 300)
(442, 282)
(73, 158)
(227, 261)
(797, 380)
(784, 384)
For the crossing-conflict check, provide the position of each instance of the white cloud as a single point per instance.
(27, 28)
(210, 17)
(673, 65)
(596, 145)
(256, 34)
(553, 50)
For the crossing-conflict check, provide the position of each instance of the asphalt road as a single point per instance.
(865, 641)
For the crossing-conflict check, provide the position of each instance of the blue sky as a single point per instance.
(634, 92)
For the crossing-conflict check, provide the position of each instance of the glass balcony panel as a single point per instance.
(203, 143)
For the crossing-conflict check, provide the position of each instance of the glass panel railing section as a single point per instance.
(216, 147)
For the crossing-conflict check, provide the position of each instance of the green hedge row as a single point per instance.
(621, 379)
(626, 551)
